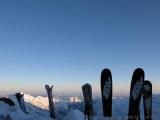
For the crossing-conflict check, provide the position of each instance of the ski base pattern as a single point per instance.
(50, 99)
(20, 98)
(147, 100)
(106, 91)
(87, 93)
(135, 94)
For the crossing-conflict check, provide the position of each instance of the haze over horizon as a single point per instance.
(68, 43)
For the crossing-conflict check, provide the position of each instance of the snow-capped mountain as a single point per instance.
(37, 108)
(75, 99)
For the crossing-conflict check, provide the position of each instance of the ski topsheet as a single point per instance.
(50, 99)
(147, 100)
(20, 98)
(106, 91)
(87, 93)
(135, 94)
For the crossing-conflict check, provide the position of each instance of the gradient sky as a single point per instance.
(68, 43)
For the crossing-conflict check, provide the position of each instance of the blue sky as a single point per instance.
(68, 43)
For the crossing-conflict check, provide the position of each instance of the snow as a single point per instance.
(37, 107)
(74, 115)
(75, 99)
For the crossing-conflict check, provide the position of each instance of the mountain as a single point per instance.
(70, 108)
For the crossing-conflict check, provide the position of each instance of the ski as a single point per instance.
(106, 92)
(7, 101)
(87, 93)
(135, 94)
(147, 100)
(20, 98)
(50, 99)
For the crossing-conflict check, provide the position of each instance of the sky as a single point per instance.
(68, 43)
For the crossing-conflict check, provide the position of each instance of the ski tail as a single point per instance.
(20, 98)
(87, 93)
(135, 94)
(50, 99)
(106, 92)
(147, 100)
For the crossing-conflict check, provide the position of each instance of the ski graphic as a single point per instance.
(50, 99)
(147, 100)
(20, 98)
(87, 93)
(106, 92)
(135, 94)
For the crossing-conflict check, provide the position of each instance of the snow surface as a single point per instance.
(37, 107)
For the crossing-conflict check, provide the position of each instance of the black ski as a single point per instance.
(135, 94)
(7, 101)
(147, 100)
(106, 91)
(87, 93)
(50, 99)
(20, 98)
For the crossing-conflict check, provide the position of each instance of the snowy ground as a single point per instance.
(70, 108)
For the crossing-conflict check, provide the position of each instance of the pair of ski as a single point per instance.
(20, 99)
(106, 90)
(50, 99)
(140, 87)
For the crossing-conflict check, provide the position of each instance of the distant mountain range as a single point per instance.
(68, 108)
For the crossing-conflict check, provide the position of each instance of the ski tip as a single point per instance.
(139, 70)
(87, 84)
(47, 87)
(147, 86)
(147, 82)
(106, 70)
(21, 94)
(105, 73)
